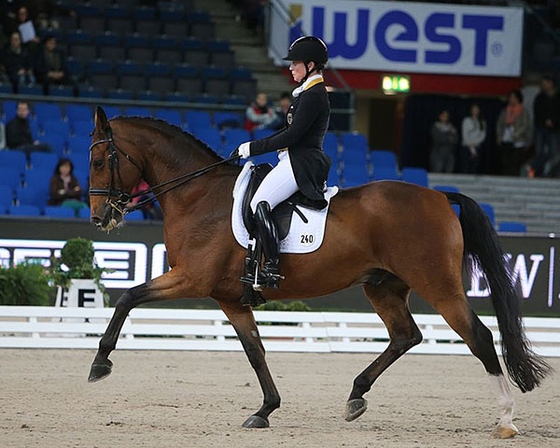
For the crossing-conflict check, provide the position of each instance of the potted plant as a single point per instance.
(25, 284)
(77, 276)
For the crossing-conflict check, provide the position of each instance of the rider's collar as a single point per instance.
(310, 82)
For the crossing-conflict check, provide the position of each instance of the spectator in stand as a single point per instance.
(24, 24)
(18, 132)
(444, 140)
(281, 110)
(473, 129)
(546, 119)
(51, 64)
(19, 63)
(48, 12)
(65, 189)
(513, 134)
(150, 210)
(259, 115)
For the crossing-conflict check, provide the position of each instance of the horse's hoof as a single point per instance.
(355, 408)
(256, 422)
(100, 370)
(505, 431)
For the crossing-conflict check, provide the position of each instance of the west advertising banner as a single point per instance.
(404, 37)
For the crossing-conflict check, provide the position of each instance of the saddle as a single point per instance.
(283, 212)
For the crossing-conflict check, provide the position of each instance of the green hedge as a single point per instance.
(25, 284)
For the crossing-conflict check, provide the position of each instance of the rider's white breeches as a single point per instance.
(278, 185)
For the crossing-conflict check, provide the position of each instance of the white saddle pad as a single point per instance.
(302, 238)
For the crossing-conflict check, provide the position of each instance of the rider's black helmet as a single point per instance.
(308, 48)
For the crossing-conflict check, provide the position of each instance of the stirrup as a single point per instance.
(270, 277)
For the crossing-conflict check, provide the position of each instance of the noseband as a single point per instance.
(117, 198)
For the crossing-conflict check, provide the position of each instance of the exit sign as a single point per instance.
(395, 84)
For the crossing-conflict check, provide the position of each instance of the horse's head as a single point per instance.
(113, 174)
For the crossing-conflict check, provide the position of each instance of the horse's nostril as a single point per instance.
(95, 220)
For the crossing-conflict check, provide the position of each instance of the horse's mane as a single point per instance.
(168, 128)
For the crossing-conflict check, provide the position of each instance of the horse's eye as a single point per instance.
(98, 163)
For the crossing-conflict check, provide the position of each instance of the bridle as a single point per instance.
(117, 198)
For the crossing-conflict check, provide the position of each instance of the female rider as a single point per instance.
(302, 165)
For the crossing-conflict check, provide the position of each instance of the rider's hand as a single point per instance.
(244, 150)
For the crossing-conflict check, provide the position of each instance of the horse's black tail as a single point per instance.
(526, 369)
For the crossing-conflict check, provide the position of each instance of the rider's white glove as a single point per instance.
(244, 150)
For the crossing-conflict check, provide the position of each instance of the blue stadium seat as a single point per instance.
(39, 178)
(112, 111)
(148, 95)
(81, 165)
(138, 111)
(330, 146)
(82, 127)
(205, 98)
(6, 198)
(35, 89)
(383, 158)
(354, 140)
(489, 210)
(43, 161)
(8, 110)
(66, 91)
(262, 133)
(212, 137)
(47, 111)
(512, 226)
(413, 175)
(31, 196)
(54, 126)
(197, 119)
(57, 141)
(83, 178)
(84, 213)
(227, 120)
(59, 212)
(14, 159)
(354, 174)
(334, 178)
(385, 173)
(78, 112)
(172, 116)
(10, 177)
(78, 144)
(236, 136)
(24, 210)
(136, 215)
(354, 148)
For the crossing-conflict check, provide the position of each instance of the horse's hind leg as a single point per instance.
(389, 297)
(457, 313)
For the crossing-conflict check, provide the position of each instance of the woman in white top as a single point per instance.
(473, 130)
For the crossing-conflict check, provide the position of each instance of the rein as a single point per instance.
(123, 198)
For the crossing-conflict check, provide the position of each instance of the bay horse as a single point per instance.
(389, 237)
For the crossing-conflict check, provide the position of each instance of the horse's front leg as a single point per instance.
(243, 321)
(164, 287)
(102, 366)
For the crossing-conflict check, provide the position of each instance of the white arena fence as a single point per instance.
(281, 331)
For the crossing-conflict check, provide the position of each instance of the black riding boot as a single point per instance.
(270, 275)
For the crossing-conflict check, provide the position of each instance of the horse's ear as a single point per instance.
(101, 119)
